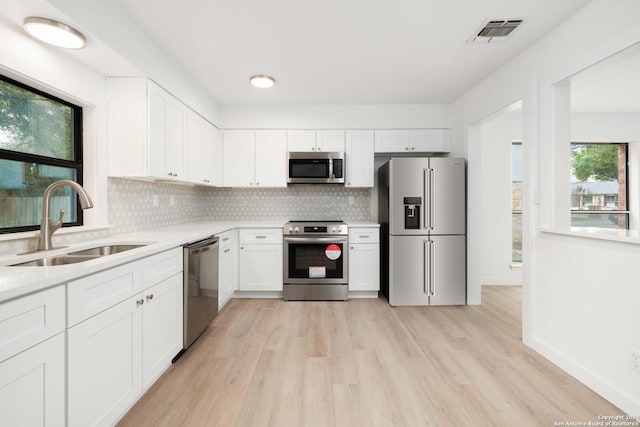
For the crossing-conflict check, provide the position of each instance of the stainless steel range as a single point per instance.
(316, 261)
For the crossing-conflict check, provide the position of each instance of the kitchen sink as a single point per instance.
(57, 260)
(106, 250)
(79, 256)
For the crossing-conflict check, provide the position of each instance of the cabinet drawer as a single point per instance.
(364, 235)
(161, 266)
(27, 321)
(227, 238)
(259, 236)
(93, 294)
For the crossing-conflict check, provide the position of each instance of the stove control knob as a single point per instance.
(290, 229)
(333, 229)
(339, 229)
(296, 229)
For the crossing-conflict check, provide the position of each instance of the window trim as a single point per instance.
(77, 163)
(626, 211)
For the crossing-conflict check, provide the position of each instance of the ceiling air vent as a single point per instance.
(495, 30)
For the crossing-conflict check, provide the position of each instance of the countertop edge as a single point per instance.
(17, 282)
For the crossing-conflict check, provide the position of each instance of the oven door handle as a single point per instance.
(316, 239)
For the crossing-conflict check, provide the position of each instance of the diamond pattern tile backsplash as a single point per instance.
(131, 204)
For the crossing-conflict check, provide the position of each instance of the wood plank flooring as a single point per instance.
(363, 363)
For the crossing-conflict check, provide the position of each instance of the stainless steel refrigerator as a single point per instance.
(422, 213)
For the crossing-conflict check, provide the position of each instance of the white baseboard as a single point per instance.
(626, 403)
(363, 294)
(257, 294)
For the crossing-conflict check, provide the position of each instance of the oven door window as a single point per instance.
(308, 168)
(316, 260)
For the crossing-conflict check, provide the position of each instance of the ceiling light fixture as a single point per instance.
(262, 81)
(54, 33)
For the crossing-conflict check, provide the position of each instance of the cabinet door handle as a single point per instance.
(225, 239)
(363, 236)
(149, 297)
(351, 247)
(261, 237)
(140, 302)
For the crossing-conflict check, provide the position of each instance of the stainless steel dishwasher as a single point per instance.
(200, 287)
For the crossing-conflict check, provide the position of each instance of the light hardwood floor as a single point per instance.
(364, 363)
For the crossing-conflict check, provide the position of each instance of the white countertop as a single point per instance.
(20, 281)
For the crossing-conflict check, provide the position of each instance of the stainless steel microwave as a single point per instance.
(315, 168)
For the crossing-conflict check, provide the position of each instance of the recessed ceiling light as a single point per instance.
(54, 33)
(262, 81)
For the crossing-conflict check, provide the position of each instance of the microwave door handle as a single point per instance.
(331, 176)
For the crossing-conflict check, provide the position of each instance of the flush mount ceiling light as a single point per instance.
(262, 81)
(54, 33)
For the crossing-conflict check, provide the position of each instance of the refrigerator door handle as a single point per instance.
(426, 256)
(426, 212)
(432, 213)
(432, 266)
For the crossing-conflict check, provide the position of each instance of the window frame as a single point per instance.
(626, 211)
(76, 164)
(515, 212)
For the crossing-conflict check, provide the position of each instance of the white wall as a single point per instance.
(497, 135)
(582, 322)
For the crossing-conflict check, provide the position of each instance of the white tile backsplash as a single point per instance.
(131, 207)
(131, 204)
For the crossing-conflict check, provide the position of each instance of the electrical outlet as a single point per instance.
(635, 360)
(154, 199)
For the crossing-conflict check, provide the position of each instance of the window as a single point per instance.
(40, 142)
(516, 202)
(599, 177)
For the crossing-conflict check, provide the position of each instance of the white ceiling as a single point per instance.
(341, 51)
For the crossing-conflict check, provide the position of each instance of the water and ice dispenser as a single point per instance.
(412, 212)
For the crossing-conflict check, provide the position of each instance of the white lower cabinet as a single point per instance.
(260, 260)
(105, 365)
(364, 259)
(119, 352)
(228, 268)
(32, 359)
(161, 327)
(32, 386)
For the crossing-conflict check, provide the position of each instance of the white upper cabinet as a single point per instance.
(414, 141)
(212, 156)
(311, 140)
(359, 158)
(271, 158)
(254, 158)
(301, 140)
(239, 158)
(204, 151)
(147, 130)
(429, 140)
(195, 148)
(330, 140)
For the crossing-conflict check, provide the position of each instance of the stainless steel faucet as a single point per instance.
(48, 227)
